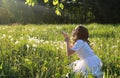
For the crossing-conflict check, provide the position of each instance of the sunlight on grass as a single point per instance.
(38, 51)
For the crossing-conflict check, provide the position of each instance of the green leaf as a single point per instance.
(28, 61)
(31, 2)
(73, 0)
(55, 2)
(27, 1)
(45, 1)
(1, 66)
(58, 12)
(61, 6)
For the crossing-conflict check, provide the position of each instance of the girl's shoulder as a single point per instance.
(79, 41)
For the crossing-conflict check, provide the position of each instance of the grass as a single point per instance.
(38, 51)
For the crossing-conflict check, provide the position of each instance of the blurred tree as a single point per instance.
(5, 16)
(58, 5)
(103, 11)
(107, 11)
(69, 11)
(15, 11)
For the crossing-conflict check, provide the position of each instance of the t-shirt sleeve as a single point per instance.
(78, 44)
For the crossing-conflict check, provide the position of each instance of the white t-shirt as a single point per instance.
(87, 59)
(83, 49)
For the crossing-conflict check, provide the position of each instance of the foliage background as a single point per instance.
(78, 11)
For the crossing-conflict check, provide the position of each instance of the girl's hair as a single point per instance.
(82, 33)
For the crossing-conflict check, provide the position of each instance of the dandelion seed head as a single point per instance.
(34, 45)
(16, 42)
(28, 46)
(9, 36)
(11, 39)
(3, 36)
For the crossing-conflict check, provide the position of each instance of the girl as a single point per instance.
(89, 62)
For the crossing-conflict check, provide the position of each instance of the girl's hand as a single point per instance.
(67, 38)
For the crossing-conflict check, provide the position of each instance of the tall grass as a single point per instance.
(39, 51)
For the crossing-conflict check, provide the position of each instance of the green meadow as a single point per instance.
(39, 51)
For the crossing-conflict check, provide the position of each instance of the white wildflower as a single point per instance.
(3, 36)
(61, 46)
(28, 46)
(34, 49)
(118, 41)
(51, 42)
(21, 38)
(57, 48)
(16, 42)
(11, 39)
(9, 36)
(34, 45)
(114, 46)
(41, 41)
(47, 42)
(34, 40)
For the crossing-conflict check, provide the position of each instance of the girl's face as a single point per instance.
(74, 32)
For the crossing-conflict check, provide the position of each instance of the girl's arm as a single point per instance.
(68, 45)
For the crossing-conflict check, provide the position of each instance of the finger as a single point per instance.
(64, 32)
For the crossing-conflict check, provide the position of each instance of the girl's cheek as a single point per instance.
(73, 34)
